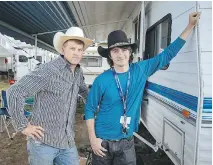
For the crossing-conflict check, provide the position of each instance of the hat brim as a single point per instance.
(87, 42)
(104, 52)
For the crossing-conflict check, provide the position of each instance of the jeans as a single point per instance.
(120, 152)
(42, 154)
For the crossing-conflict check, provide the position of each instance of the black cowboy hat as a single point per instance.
(116, 39)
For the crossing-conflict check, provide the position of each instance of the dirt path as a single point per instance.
(13, 152)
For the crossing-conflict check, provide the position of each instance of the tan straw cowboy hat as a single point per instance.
(74, 33)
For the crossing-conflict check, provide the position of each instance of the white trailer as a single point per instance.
(18, 58)
(178, 107)
(92, 64)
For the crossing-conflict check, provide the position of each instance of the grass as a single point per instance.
(80, 108)
(4, 85)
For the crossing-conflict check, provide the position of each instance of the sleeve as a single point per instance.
(28, 85)
(158, 62)
(83, 89)
(93, 100)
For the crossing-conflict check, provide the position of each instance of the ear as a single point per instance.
(63, 49)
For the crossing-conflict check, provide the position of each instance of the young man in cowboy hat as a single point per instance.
(118, 92)
(56, 86)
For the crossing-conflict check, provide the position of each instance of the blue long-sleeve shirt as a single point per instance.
(104, 91)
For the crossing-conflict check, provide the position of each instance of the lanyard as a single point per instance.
(123, 98)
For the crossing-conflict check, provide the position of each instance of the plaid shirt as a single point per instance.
(56, 89)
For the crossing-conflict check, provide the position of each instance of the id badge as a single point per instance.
(128, 120)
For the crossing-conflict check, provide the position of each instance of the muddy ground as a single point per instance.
(13, 152)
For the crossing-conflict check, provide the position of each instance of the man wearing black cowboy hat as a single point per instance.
(118, 92)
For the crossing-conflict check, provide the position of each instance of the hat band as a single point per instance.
(119, 44)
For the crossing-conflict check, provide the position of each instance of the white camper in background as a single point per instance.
(93, 65)
(178, 107)
(17, 58)
(5, 56)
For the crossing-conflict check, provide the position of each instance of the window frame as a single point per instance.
(20, 59)
(97, 57)
(39, 58)
(137, 21)
(154, 27)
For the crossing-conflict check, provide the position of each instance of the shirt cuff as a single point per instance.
(180, 41)
(21, 126)
(89, 115)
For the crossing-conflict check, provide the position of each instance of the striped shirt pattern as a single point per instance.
(56, 89)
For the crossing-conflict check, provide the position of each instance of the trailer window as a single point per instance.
(39, 58)
(158, 37)
(91, 61)
(23, 58)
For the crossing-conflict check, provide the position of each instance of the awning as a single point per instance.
(22, 19)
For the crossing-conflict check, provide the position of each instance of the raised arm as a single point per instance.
(158, 62)
(193, 20)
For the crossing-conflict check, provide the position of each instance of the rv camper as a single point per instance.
(18, 58)
(177, 110)
(93, 64)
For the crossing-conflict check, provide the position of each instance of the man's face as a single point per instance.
(120, 56)
(73, 51)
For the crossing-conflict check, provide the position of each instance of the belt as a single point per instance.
(116, 140)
